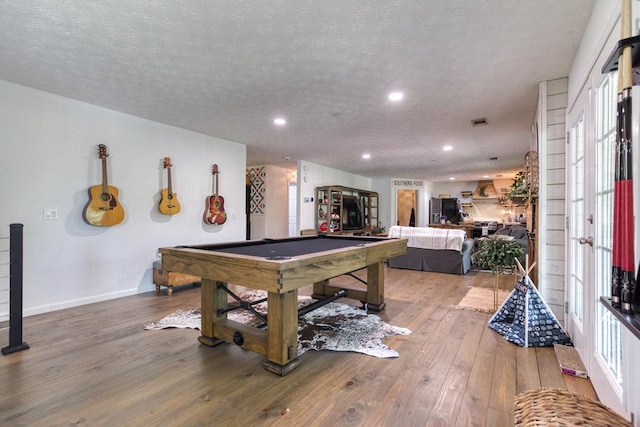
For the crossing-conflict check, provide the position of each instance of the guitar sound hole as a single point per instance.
(105, 196)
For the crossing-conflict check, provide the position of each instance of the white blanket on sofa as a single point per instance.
(429, 238)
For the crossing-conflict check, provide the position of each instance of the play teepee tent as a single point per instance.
(525, 319)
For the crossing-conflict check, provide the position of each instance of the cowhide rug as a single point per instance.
(335, 326)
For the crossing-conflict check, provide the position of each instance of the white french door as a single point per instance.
(579, 286)
(595, 332)
(608, 347)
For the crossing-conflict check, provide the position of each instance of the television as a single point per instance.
(352, 213)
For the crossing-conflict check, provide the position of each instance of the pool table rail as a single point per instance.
(278, 275)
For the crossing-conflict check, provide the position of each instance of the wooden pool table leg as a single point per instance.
(375, 287)
(320, 289)
(211, 299)
(282, 332)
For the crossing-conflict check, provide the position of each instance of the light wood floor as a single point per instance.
(95, 365)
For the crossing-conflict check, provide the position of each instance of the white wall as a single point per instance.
(551, 233)
(605, 13)
(50, 159)
(310, 176)
(387, 200)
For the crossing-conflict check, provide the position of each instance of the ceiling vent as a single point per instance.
(479, 122)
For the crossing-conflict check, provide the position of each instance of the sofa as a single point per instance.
(433, 249)
(518, 233)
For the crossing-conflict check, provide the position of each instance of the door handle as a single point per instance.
(586, 240)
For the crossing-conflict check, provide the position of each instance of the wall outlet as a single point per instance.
(50, 214)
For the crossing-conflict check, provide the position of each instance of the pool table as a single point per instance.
(280, 267)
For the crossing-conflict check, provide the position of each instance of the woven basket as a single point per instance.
(555, 407)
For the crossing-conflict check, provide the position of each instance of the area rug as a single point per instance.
(481, 299)
(335, 326)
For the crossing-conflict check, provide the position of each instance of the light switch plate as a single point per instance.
(50, 214)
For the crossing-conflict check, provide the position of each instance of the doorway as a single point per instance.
(293, 209)
(407, 207)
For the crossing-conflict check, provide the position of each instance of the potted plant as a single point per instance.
(519, 191)
(499, 256)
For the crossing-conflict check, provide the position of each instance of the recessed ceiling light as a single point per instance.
(485, 176)
(280, 121)
(447, 148)
(396, 96)
(452, 178)
(366, 156)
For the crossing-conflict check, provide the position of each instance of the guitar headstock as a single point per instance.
(167, 162)
(214, 170)
(102, 150)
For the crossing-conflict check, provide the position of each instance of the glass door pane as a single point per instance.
(576, 227)
(609, 343)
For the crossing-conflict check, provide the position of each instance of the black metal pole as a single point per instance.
(324, 301)
(15, 291)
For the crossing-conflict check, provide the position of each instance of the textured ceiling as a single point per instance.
(228, 68)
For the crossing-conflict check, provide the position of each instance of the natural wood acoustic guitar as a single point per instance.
(103, 208)
(214, 212)
(169, 204)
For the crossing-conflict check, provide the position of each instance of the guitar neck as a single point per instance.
(105, 184)
(169, 180)
(216, 178)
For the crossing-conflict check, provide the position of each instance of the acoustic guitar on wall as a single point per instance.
(169, 204)
(103, 208)
(214, 212)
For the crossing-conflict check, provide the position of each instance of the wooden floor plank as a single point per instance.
(449, 399)
(473, 408)
(96, 365)
(527, 376)
(496, 418)
(580, 385)
(503, 382)
(549, 369)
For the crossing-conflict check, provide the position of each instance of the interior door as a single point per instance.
(293, 209)
(580, 265)
(406, 207)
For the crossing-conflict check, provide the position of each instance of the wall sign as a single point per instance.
(408, 183)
